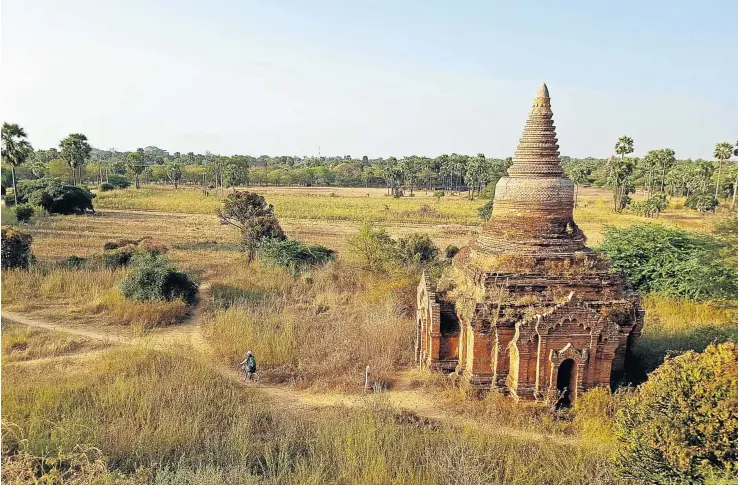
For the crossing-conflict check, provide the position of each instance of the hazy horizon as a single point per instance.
(374, 78)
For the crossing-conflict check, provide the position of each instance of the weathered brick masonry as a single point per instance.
(527, 308)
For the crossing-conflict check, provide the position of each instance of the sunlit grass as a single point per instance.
(153, 417)
(674, 326)
(83, 293)
(20, 343)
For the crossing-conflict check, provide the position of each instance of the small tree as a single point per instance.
(15, 149)
(417, 248)
(75, 150)
(249, 212)
(16, 248)
(682, 424)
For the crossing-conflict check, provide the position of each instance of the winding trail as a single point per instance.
(189, 334)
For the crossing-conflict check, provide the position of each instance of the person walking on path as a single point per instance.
(249, 365)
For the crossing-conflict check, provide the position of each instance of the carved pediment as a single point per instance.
(569, 352)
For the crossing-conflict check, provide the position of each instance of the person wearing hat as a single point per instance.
(249, 365)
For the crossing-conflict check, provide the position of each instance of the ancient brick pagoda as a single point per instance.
(527, 308)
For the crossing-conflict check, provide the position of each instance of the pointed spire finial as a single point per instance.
(542, 91)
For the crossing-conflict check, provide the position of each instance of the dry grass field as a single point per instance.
(164, 403)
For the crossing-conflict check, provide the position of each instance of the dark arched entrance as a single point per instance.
(565, 383)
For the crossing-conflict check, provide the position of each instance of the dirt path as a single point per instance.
(90, 334)
(189, 334)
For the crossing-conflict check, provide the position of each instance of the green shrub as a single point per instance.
(651, 207)
(116, 244)
(105, 187)
(379, 252)
(155, 278)
(417, 248)
(702, 203)
(374, 246)
(118, 181)
(117, 258)
(16, 248)
(451, 251)
(294, 254)
(485, 212)
(75, 262)
(24, 213)
(439, 194)
(672, 262)
(682, 424)
(55, 197)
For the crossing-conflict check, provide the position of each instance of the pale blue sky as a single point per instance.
(367, 77)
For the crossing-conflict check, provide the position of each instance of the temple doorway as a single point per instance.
(565, 383)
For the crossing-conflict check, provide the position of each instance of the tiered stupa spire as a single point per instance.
(533, 211)
(538, 151)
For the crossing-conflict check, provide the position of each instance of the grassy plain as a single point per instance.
(172, 416)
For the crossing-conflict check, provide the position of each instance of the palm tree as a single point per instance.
(624, 146)
(75, 150)
(723, 151)
(666, 160)
(15, 149)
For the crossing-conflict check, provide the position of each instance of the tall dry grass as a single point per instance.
(674, 326)
(20, 343)
(83, 293)
(320, 329)
(153, 417)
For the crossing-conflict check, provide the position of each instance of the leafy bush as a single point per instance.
(55, 197)
(16, 248)
(682, 424)
(379, 251)
(116, 244)
(105, 187)
(75, 262)
(24, 212)
(702, 203)
(439, 194)
(155, 278)
(417, 248)
(374, 246)
(672, 262)
(650, 208)
(118, 253)
(118, 181)
(117, 258)
(294, 254)
(451, 251)
(485, 212)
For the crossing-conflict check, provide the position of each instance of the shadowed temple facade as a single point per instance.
(527, 308)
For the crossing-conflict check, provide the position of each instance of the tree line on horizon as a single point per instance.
(659, 173)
